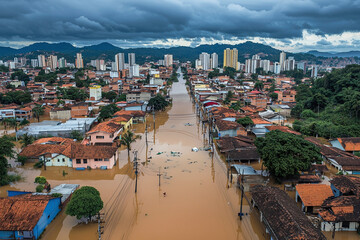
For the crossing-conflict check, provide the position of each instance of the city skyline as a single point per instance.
(295, 26)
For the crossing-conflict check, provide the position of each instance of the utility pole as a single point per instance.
(100, 227)
(242, 195)
(146, 140)
(136, 169)
(159, 174)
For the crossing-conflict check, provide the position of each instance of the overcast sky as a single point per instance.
(292, 25)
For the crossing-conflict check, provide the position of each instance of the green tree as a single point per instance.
(246, 121)
(236, 106)
(259, 85)
(228, 97)
(26, 140)
(76, 135)
(121, 98)
(111, 95)
(273, 96)
(85, 202)
(38, 111)
(158, 102)
(285, 154)
(127, 139)
(108, 111)
(6, 150)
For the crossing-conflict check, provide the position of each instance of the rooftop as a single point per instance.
(314, 194)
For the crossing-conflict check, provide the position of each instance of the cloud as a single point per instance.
(279, 22)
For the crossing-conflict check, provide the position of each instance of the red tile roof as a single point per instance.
(108, 127)
(314, 194)
(21, 213)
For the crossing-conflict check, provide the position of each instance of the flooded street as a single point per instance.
(194, 199)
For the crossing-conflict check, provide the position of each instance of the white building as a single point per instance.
(214, 60)
(131, 58)
(282, 61)
(119, 62)
(205, 60)
(134, 71)
(42, 61)
(277, 68)
(34, 63)
(95, 93)
(168, 60)
(62, 63)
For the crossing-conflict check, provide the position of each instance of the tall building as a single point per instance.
(52, 62)
(131, 58)
(277, 68)
(205, 60)
(265, 65)
(79, 63)
(34, 63)
(214, 61)
(62, 62)
(134, 71)
(119, 61)
(168, 60)
(42, 61)
(290, 64)
(314, 71)
(282, 61)
(231, 58)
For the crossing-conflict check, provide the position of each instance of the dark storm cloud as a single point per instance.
(145, 20)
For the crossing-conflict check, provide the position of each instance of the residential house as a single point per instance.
(60, 113)
(312, 196)
(23, 113)
(92, 156)
(282, 129)
(259, 127)
(137, 116)
(349, 144)
(26, 216)
(138, 96)
(104, 133)
(281, 216)
(228, 128)
(340, 214)
(125, 120)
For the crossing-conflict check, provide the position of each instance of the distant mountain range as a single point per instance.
(335, 54)
(107, 51)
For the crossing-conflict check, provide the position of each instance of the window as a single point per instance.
(85, 160)
(106, 159)
(96, 159)
(58, 160)
(99, 137)
(63, 159)
(100, 159)
(78, 161)
(345, 224)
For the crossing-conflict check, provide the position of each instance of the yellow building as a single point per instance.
(231, 58)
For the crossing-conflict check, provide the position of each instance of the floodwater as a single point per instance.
(195, 199)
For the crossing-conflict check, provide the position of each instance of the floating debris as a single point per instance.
(194, 149)
(188, 124)
(159, 153)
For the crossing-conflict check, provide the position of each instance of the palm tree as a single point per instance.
(26, 140)
(15, 124)
(127, 139)
(38, 110)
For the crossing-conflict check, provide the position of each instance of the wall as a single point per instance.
(96, 164)
(57, 161)
(66, 114)
(328, 226)
(107, 137)
(52, 209)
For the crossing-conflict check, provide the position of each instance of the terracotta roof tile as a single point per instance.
(314, 194)
(108, 126)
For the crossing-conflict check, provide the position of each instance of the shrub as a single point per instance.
(39, 188)
(40, 180)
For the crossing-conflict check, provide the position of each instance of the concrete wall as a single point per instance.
(66, 114)
(96, 164)
(328, 226)
(52, 209)
(59, 161)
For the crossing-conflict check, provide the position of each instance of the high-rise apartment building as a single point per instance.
(205, 60)
(79, 63)
(34, 63)
(119, 61)
(282, 61)
(42, 61)
(131, 58)
(62, 62)
(52, 62)
(214, 61)
(168, 60)
(231, 58)
(290, 64)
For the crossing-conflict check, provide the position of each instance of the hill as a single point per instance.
(107, 51)
(336, 54)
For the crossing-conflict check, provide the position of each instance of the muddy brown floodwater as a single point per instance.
(199, 203)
